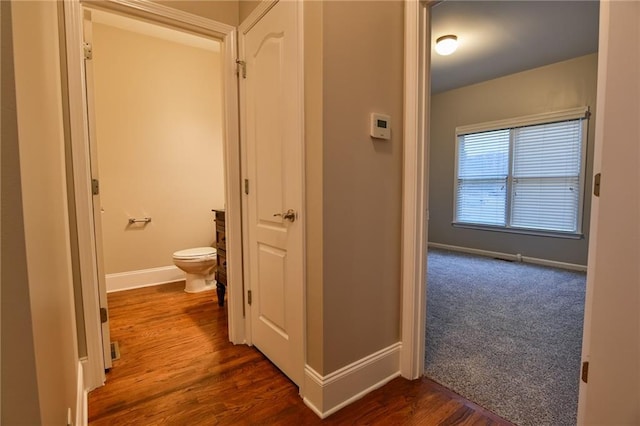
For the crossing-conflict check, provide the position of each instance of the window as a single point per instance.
(522, 175)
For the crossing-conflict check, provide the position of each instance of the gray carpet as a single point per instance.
(506, 336)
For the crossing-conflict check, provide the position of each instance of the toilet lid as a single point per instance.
(194, 253)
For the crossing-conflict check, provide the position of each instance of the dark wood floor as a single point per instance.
(177, 367)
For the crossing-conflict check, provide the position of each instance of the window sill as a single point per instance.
(535, 232)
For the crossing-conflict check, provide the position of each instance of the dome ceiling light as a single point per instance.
(446, 44)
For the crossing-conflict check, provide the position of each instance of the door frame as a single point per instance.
(87, 25)
(415, 187)
(93, 363)
(415, 192)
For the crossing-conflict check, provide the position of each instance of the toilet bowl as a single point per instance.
(198, 265)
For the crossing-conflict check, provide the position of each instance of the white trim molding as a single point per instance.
(513, 257)
(415, 187)
(79, 132)
(143, 278)
(327, 394)
(82, 407)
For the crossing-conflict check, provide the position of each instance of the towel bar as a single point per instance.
(143, 220)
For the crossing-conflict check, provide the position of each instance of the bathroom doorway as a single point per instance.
(157, 95)
(155, 98)
(192, 147)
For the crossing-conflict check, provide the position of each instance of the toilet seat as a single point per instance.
(195, 253)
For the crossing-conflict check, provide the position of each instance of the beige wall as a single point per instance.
(362, 179)
(159, 132)
(18, 371)
(554, 87)
(225, 11)
(41, 265)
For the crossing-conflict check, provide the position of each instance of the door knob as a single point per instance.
(289, 215)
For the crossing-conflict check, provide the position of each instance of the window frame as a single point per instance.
(580, 113)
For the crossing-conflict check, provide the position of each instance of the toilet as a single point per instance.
(198, 265)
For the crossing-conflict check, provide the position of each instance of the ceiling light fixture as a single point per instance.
(446, 44)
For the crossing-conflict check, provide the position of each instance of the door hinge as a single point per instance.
(585, 371)
(88, 50)
(104, 317)
(95, 186)
(246, 186)
(242, 68)
(596, 185)
(249, 296)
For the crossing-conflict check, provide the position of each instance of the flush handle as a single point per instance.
(289, 215)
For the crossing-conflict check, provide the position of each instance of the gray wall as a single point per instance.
(553, 87)
(362, 179)
(353, 183)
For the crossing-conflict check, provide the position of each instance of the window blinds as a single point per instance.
(525, 177)
(483, 168)
(546, 176)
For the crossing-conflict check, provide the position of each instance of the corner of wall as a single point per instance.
(325, 395)
(313, 78)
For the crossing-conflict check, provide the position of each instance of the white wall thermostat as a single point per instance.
(380, 126)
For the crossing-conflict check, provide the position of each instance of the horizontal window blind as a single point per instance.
(482, 201)
(483, 167)
(545, 204)
(549, 150)
(483, 155)
(546, 175)
(526, 177)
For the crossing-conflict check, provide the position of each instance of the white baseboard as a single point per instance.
(143, 278)
(513, 257)
(82, 408)
(327, 394)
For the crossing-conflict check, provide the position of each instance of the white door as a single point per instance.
(272, 103)
(611, 340)
(97, 207)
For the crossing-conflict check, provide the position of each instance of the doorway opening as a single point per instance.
(181, 127)
(483, 84)
(157, 102)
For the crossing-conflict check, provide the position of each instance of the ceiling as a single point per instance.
(498, 38)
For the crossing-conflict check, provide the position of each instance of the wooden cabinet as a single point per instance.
(221, 249)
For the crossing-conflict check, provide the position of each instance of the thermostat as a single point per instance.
(380, 126)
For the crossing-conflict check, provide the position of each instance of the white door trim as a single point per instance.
(415, 187)
(97, 215)
(81, 161)
(79, 130)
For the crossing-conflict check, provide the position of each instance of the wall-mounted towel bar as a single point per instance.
(143, 220)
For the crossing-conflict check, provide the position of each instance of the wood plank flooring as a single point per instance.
(177, 367)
